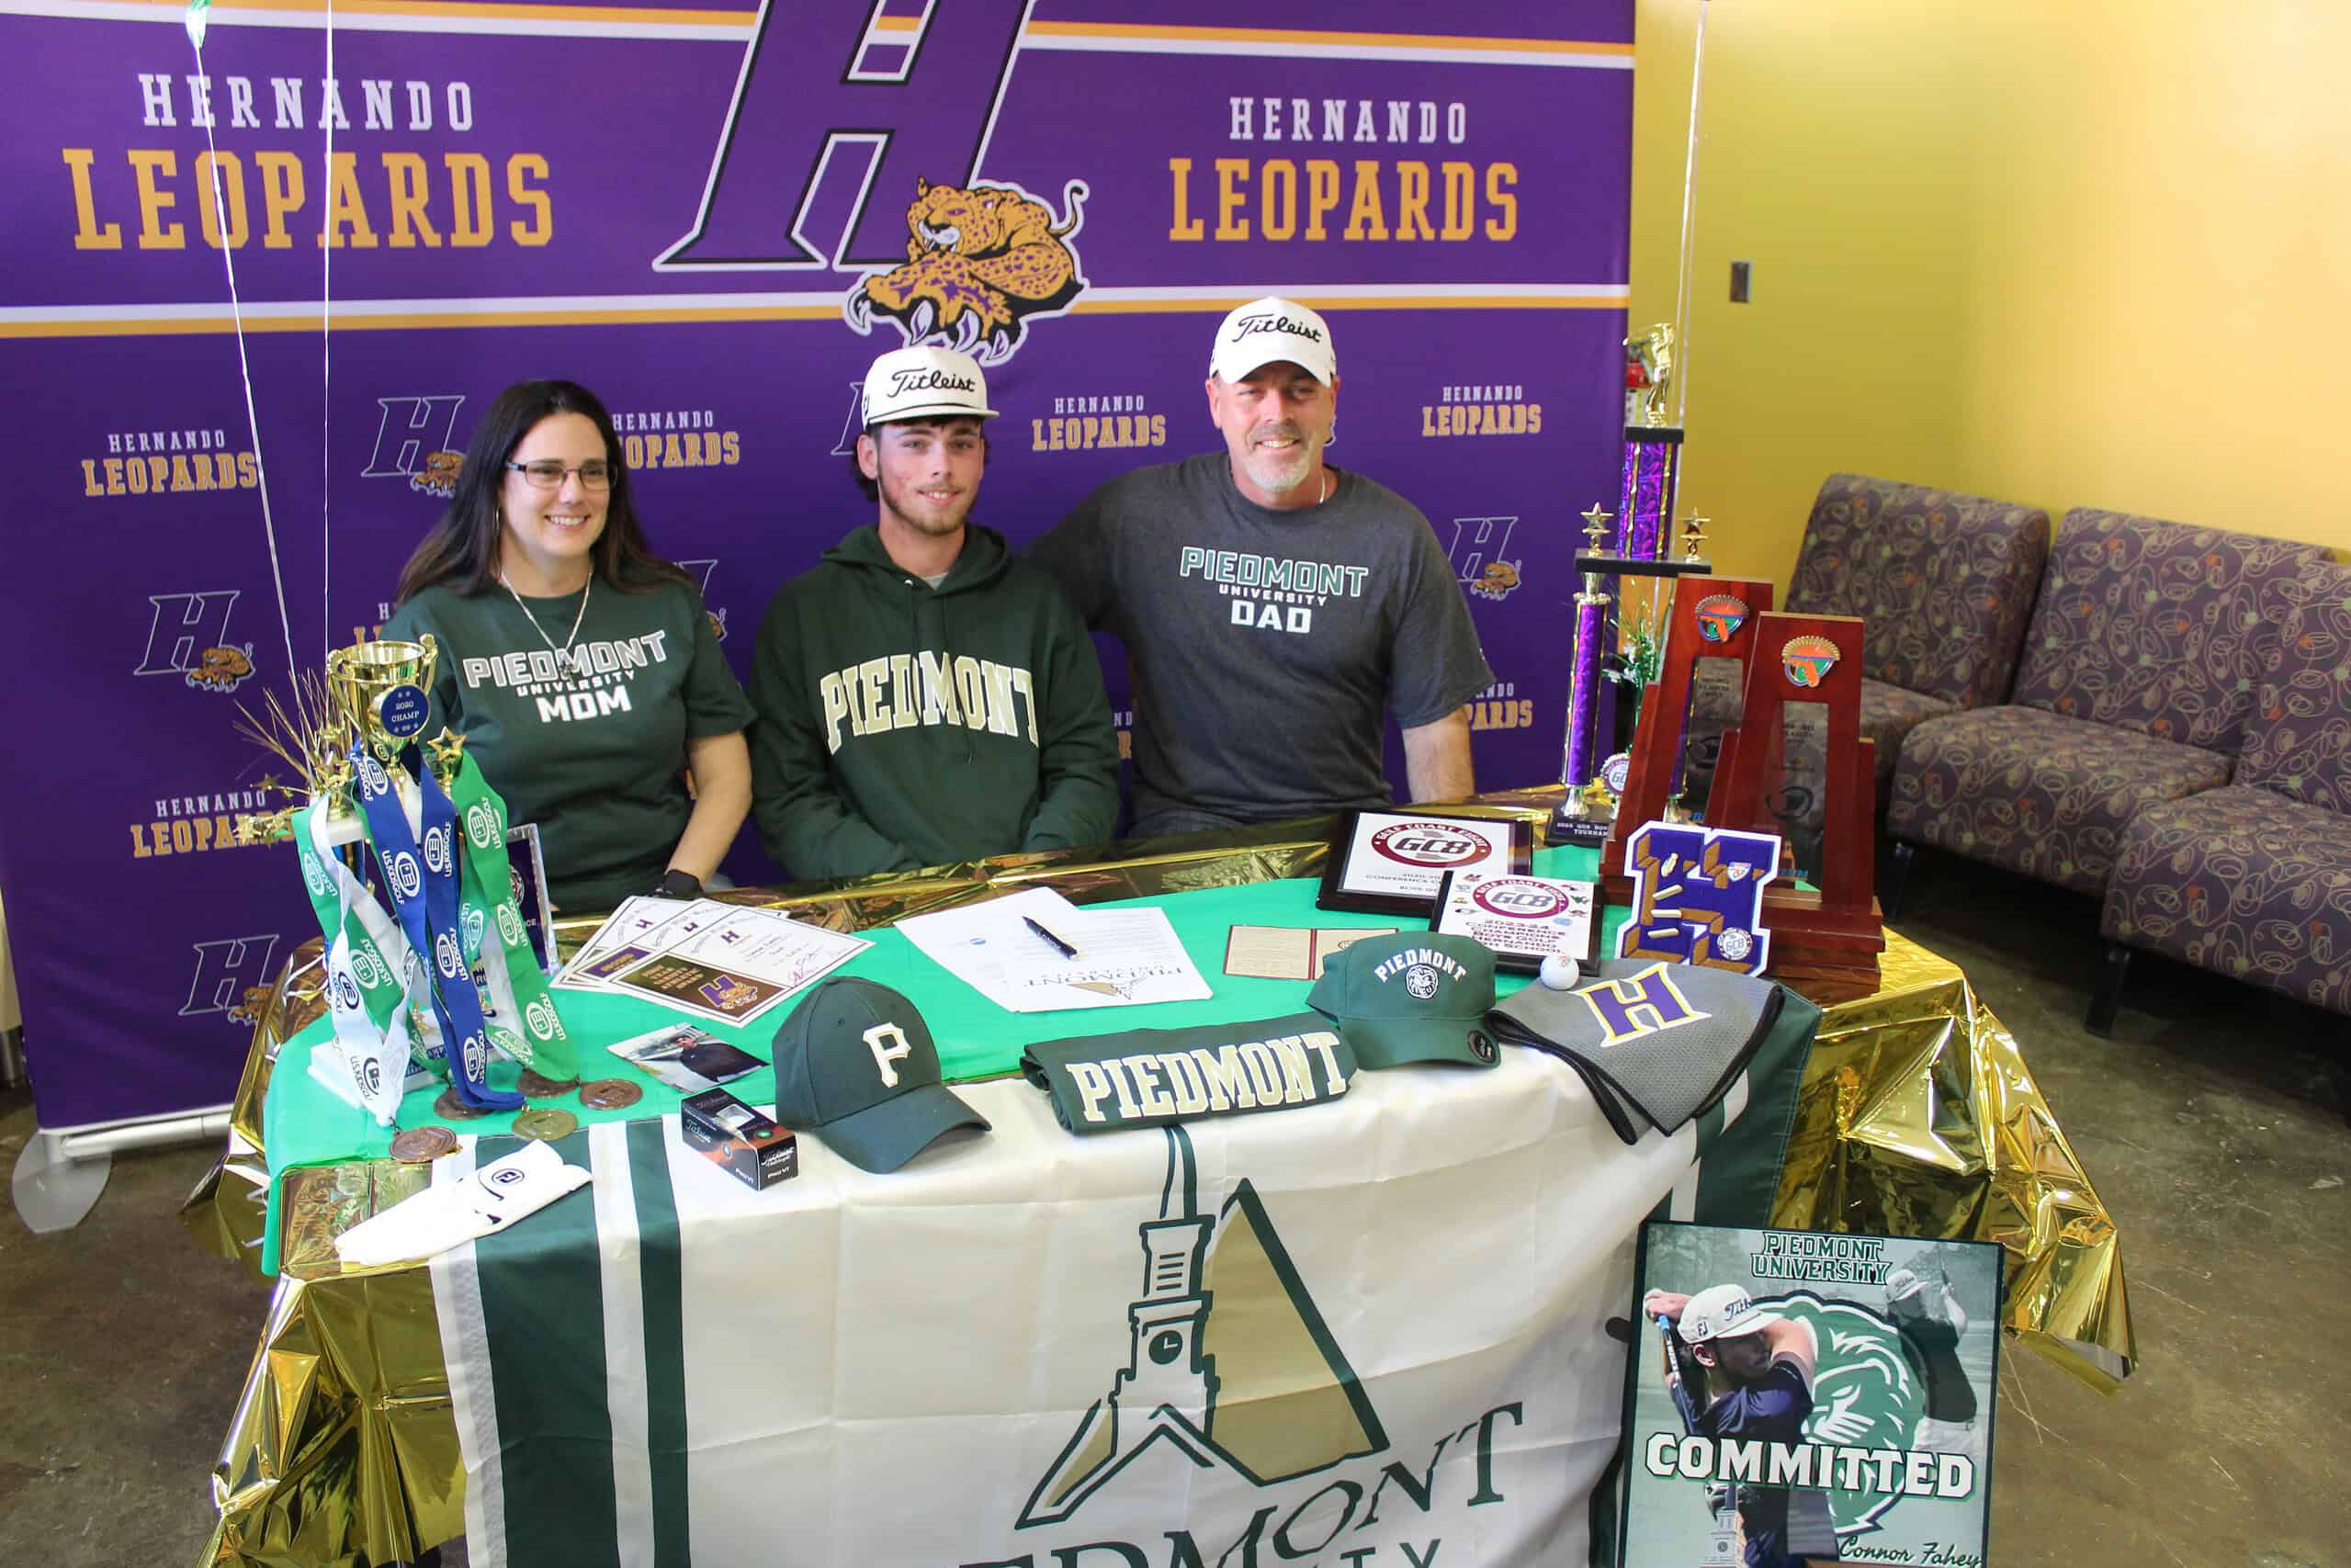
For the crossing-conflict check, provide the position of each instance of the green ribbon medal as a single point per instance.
(369, 969)
(518, 1008)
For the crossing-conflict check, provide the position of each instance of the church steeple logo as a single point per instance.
(1229, 1362)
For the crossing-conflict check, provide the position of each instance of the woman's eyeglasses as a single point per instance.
(548, 474)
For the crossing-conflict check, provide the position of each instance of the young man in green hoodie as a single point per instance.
(924, 697)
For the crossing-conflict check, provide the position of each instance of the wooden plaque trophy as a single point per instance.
(1824, 944)
(1713, 617)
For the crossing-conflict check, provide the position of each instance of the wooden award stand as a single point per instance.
(1657, 740)
(1824, 944)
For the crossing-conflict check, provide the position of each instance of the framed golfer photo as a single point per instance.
(1392, 863)
(1809, 1396)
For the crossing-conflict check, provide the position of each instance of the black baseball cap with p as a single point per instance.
(855, 1065)
(1412, 996)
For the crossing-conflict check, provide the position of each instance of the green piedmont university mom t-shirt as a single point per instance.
(590, 746)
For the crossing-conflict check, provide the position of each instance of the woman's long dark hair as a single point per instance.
(462, 548)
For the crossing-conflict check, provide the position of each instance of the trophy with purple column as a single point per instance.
(1652, 450)
(1641, 545)
(1579, 818)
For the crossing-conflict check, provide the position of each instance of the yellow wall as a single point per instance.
(2064, 252)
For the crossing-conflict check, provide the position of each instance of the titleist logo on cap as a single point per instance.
(927, 380)
(1248, 325)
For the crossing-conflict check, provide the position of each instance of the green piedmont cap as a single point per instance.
(855, 1063)
(1413, 997)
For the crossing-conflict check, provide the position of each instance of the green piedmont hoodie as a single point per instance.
(903, 726)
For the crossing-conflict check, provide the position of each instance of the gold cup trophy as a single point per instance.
(373, 690)
(377, 690)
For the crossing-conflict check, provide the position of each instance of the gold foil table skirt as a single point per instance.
(1916, 1116)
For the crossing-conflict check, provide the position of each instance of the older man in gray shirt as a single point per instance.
(1273, 606)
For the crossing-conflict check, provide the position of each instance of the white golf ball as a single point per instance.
(1560, 972)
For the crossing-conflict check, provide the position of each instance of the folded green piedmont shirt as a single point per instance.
(1149, 1078)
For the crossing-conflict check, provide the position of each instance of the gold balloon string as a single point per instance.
(198, 18)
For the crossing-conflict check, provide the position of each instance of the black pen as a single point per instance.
(1059, 946)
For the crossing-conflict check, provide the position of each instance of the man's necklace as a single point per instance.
(525, 609)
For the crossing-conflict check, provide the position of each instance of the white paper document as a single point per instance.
(626, 926)
(718, 962)
(1117, 957)
(737, 967)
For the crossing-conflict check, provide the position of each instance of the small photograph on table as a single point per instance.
(686, 1058)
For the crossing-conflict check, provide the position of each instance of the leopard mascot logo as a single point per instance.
(220, 668)
(253, 1007)
(980, 262)
(1500, 579)
(438, 475)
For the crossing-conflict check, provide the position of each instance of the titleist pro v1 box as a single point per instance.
(738, 1140)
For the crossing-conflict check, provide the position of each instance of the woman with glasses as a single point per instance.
(581, 667)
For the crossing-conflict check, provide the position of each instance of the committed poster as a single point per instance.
(1843, 1413)
(268, 264)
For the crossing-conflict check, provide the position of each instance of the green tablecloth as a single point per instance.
(304, 1124)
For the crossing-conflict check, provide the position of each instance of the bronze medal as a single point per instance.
(537, 1085)
(449, 1108)
(421, 1146)
(609, 1094)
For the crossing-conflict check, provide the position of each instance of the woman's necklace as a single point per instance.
(525, 609)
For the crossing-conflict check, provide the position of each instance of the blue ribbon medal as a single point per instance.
(423, 881)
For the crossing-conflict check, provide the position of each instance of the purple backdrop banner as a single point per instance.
(704, 215)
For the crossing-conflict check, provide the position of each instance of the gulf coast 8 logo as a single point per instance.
(1431, 844)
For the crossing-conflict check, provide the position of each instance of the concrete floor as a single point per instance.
(2212, 1124)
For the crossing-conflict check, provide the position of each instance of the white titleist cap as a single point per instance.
(1903, 1282)
(1723, 1312)
(1267, 330)
(925, 383)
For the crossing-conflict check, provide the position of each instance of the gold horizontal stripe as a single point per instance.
(1304, 36)
(1085, 307)
(427, 9)
(191, 326)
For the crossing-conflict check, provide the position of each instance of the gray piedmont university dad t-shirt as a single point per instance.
(1262, 646)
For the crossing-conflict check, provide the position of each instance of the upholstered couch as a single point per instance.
(2145, 646)
(2252, 879)
(1945, 582)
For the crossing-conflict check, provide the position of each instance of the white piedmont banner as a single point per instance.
(1366, 1332)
